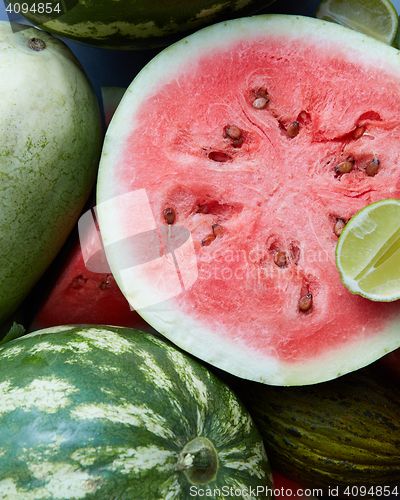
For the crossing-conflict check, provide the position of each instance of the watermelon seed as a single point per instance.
(261, 99)
(208, 240)
(260, 102)
(293, 129)
(344, 167)
(169, 215)
(280, 259)
(203, 209)
(339, 225)
(218, 156)
(104, 284)
(217, 229)
(262, 93)
(358, 132)
(236, 143)
(372, 167)
(235, 134)
(305, 302)
(36, 44)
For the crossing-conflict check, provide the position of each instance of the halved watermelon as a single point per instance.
(228, 170)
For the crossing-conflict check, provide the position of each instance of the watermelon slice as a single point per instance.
(232, 162)
(286, 489)
(83, 290)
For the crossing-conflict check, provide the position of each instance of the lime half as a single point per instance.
(376, 18)
(368, 252)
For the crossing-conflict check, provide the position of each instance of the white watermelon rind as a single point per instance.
(235, 357)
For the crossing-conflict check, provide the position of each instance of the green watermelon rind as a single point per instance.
(139, 25)
(233, 356)
(102, 411)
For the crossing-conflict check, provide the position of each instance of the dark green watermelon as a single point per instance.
(127, 24)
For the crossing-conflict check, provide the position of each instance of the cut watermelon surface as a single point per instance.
(230, 166)
(83, 291)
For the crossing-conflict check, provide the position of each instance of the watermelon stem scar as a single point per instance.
(199, 461)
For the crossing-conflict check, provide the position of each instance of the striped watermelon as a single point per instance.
(113, 413)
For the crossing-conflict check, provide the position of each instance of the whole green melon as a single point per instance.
(131, 24)
(50, 139)
(340, 437)
(100, 413)
(229, 168)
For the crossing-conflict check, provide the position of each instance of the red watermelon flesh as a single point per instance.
(239, 129)
(86, 294)
(286, 489)
(83, 290)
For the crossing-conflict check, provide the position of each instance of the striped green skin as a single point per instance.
(103, 413)
(139, 24)
(340, 433)
(50, 141)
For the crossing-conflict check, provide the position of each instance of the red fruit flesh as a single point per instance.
(80, 296)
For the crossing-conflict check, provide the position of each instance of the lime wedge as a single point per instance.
(368, 252)
(376, 18)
